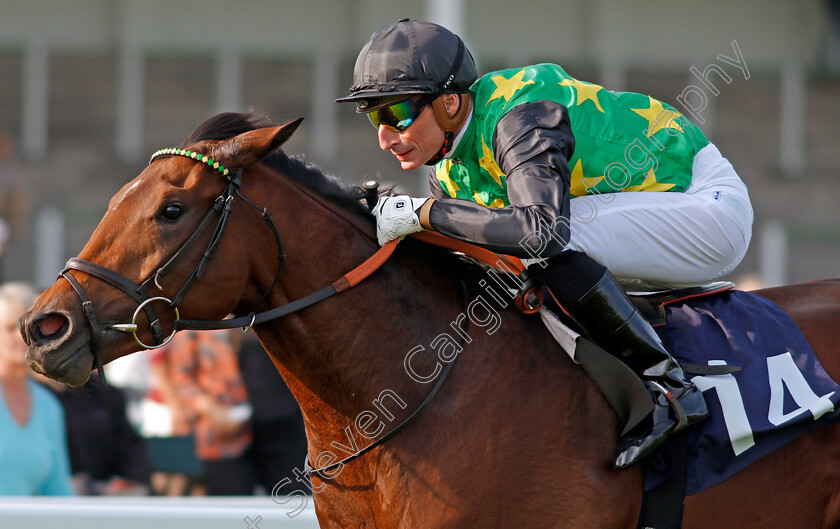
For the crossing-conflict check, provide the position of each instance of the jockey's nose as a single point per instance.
(388, 137)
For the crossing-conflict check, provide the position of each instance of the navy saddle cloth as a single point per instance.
(780, 391)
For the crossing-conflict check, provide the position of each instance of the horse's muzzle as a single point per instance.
(55, 350)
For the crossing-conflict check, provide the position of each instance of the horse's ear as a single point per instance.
(252, 146)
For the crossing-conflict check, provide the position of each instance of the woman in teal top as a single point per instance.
(33, 446)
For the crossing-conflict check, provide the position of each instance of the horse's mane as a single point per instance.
(229, 124)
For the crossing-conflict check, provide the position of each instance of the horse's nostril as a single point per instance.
(51, 325)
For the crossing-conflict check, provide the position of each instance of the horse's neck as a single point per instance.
(346, 355)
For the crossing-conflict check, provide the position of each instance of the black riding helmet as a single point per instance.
(410, 58)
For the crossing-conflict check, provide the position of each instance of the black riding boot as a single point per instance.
(612, 321)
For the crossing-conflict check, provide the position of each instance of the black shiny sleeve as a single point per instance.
(532, 143)
(435, 189)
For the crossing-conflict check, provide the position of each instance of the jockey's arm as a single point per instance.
(532, 144)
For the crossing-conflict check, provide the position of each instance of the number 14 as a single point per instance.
(781, 373)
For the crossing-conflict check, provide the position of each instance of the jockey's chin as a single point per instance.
(410, 159)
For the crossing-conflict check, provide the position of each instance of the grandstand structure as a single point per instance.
(91, 87)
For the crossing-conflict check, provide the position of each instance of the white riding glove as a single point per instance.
(395, 217)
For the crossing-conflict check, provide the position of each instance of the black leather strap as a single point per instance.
(137, 292)
(214, 211)
(662, 507)
(112, 278)
(245, 321)
(700, 369)
(90, 316)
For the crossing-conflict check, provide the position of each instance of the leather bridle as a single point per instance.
(222, 209)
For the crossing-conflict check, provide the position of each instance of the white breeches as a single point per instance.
(667, 238)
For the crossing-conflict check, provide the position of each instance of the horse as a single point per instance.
(516, 435)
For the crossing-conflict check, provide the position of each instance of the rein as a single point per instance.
(345, 282)
(223, 208)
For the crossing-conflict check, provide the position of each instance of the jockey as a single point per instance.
(580, 181)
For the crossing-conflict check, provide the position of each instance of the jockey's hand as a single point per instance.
(396, 217)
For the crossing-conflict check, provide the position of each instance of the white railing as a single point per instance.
(259, 512)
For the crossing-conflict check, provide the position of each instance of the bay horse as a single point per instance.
(517, 436)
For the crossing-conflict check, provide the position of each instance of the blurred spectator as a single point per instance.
(145, 378)
(279, 444)
(164, 410)
(107, 457)
(208, 384)
(33, 449)
(166, 415)
(132, 375)
(156, 412)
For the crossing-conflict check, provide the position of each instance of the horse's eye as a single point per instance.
(172, 212)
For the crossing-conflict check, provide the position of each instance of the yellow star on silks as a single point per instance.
(442, 174)
(495, 204)
(507, 87)
(585, 91)
(658, 117)
(488, 163)
(649, 184)
(580, 185)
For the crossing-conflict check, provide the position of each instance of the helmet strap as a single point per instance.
(448, 138)
(449, 124)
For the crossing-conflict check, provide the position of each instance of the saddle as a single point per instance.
(622, 388)
(652, 304)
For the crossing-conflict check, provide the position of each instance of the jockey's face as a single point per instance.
(415, 145)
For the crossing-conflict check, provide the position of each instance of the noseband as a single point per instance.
(222, 208)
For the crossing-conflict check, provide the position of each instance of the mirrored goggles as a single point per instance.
(400, 115)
